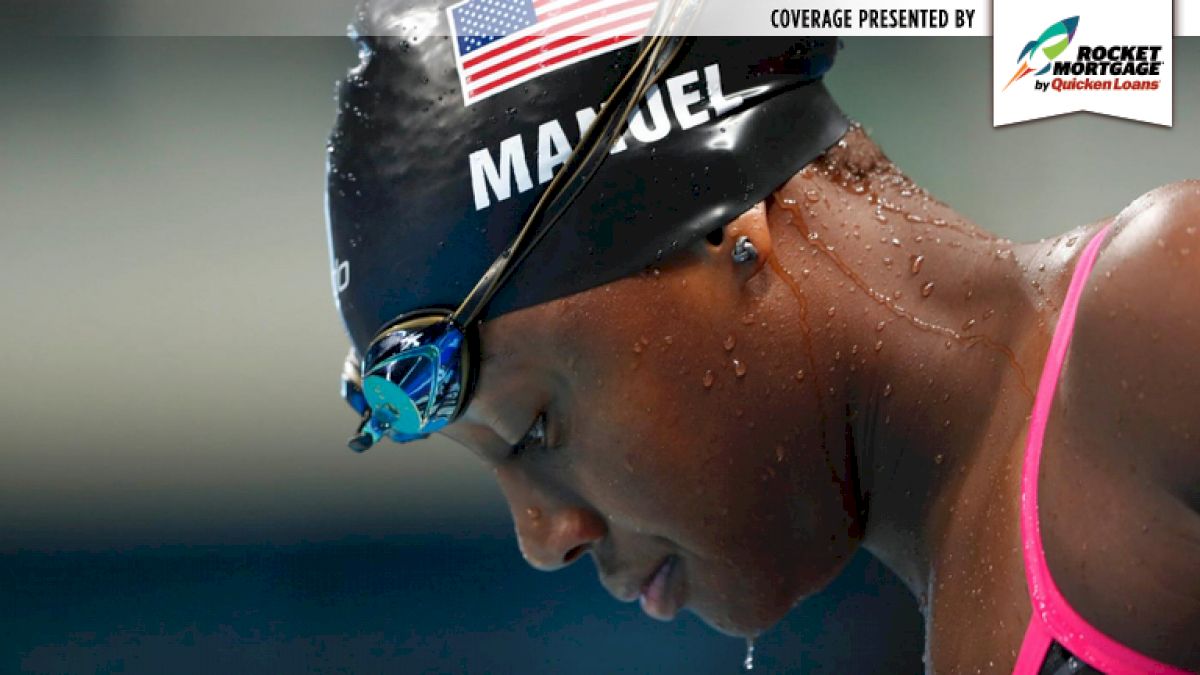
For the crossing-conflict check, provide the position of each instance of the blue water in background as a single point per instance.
(413, 604)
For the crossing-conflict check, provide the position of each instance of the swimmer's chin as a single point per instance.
(731, 624)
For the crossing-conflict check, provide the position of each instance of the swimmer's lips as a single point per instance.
(660, 593)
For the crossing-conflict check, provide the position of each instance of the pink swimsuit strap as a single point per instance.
(1053, 618)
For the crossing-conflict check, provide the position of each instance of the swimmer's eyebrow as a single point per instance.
(486, 355)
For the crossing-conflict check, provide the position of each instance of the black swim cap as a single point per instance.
(433, 167)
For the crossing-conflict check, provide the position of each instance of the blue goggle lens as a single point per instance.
(413, 381)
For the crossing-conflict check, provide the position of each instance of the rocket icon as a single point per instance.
(1039, 54)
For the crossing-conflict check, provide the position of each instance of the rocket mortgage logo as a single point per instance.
(1095, 67)
(1081, 56)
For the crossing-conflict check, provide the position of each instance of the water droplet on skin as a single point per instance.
(644, 340)
(939, 458)
(946, 424)
(779, 453)
(879, 345)
(970, 323)
(812, 196)
(747, 319)
(927, 289)
(880, 326)
(709, 378)
(730, 343)
(917, 261)
(887, 262)
(1071, 241)
(748, 663)
(832, 311)
(800, 375)
(887, 390)
(895, 242)
(534, 513)
(668, 339)
(739, 368)
(637, 348)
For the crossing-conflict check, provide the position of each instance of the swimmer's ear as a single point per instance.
(753, 226)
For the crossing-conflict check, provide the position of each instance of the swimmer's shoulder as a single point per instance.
(1126, 434)
(1157, 238)
(1137, 333)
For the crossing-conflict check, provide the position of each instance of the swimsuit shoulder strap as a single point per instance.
(1053, 617)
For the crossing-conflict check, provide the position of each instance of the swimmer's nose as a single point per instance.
(551, 533)
(559, 538)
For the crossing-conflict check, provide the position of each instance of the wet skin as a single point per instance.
(737, 431)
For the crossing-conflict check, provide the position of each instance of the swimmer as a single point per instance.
(720, 348)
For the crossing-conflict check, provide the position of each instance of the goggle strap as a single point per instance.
(362, 439)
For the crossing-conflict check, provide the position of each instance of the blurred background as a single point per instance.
(175, 490)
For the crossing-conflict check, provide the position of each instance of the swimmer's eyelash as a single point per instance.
(534, 438)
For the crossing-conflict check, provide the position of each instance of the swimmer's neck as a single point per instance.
(929, 332)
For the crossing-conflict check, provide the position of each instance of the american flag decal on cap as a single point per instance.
(499, 44)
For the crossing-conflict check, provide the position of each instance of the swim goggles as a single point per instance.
(419, 370)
